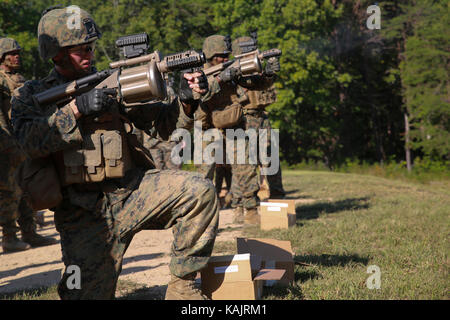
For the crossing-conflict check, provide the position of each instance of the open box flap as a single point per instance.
(270, 274)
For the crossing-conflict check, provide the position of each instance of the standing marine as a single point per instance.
(222, 108)
(13, 205)
(254, 104)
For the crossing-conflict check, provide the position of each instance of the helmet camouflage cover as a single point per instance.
(8, 45)
(65, 27)
(216, 44)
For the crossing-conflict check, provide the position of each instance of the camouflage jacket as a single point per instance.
(43, 131)
(222, 95)
(8, 83)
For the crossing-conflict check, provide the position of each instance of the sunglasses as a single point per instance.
(82, 49)
(223, 55)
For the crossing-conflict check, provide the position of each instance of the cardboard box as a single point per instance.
(290, 203)
(275, 254)
(236, 277)
(277, 215)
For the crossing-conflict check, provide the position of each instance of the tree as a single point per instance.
(423, 60)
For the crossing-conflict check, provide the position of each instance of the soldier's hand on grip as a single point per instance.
(272, 66)
(229, 74)
(94, 101)
(190, 83)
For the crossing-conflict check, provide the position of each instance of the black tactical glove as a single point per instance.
(185, 92)
(94, 101)
(272, 66)
(229, 74)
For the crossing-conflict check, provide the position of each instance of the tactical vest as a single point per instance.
(259, 99)
(14, 81)
(224, 107)
(104, 153)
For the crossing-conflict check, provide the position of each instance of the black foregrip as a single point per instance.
(185, 60)
(60, 92)
(96, 77)
(271, 53)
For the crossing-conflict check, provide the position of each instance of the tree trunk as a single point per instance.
(407, 149)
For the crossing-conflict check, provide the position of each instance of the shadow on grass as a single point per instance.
(280, 292)
(287, 192)
(304, 273)
(229, 229)
(329, 260)
(312, 211)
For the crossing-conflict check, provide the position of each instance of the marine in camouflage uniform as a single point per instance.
(98, 220)
(160, 148)
(227, 90)
(13, 207)
(223, 172)
(256, 117)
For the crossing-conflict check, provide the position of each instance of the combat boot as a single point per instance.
(12, 244)
(238, 215)
(184, 289)
(251, 217)
(40, 219)
(227, 200)
(36, 240)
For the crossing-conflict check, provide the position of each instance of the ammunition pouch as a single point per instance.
(40, 184)
(104, 153)
(227, 117)
(259, 99)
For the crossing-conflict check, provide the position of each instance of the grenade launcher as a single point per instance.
(249, 61)
(144, 80)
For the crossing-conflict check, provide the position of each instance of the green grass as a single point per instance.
(354, 221)
(357, 221)
(126, 290)
(424, 171)
(42, 293)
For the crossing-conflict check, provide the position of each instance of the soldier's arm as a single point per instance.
(42, 132)
(7, 140)
(257, 82)
(214, 88)
(163, 117)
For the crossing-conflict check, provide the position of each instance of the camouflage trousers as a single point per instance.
(258, 119)
(244, 180)
(96, 240)
(13, 207)
(223, 171)
(206, 170)
(244, 177)
(161, 154)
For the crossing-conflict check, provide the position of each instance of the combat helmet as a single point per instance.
(8, 45)
(216, 44)
(63, 27)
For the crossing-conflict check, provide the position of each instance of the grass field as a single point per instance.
(358, 221)
(352, 222)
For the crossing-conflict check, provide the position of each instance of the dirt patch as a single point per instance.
(145, 262)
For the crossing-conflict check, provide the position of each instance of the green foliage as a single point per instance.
(417, 30)
(426, 80)
(342, 89)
